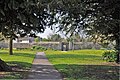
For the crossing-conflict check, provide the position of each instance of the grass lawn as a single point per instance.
(21, 62)
(83, 65)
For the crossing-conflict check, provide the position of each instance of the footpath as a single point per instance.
(42, 69)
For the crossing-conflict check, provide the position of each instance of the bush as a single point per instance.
(103, 48)
(39, 48)
(110, 56)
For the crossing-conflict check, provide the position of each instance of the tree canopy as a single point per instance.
(96, 17)
(31, 16)
(54, 37)
(22, 17)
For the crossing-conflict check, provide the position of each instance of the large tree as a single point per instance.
(104, 19)
(22, 17)
(29, 16)
(1, 37)
(100, 17)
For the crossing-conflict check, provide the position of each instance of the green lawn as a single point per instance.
(21, 60)
(73, 65)
(82, 65)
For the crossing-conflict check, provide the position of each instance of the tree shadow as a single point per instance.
(72, 56)
(44, 72)
(3, 52)
(88, 72)
(19, 70)
(24, 54)
(20, 65)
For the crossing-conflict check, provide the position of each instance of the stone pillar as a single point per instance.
(70, 45)
(61, 46)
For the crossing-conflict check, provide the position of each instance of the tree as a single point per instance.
(37, 39)
(22, 17)
(55, 37)
(105, 20)
(93, 16)
(30, 16)
(1, 37)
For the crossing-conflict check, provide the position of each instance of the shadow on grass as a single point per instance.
(20, 70)
(24, 54)
(88, 72)
(43, 72)
(3, 52)
(72, 56)
(21, 65)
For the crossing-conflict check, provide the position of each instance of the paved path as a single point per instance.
(42, 69)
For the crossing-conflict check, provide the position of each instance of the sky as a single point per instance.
(47, 32)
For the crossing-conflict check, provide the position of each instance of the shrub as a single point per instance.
(110, 56)
(103, 48)
(39, 48)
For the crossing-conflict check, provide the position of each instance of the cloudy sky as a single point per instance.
(47, 32)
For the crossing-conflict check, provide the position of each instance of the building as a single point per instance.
(24, 40)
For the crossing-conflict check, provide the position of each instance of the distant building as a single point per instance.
(24, 40)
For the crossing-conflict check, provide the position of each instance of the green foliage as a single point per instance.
(103, 48)
(39, 48)
(54, 37)
(22, 17)
(110, 56)
(99, 18)
(37, 39)
(1, 37)
(46, 40)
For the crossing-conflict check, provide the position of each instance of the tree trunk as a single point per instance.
(11, 46)
(118, 49)
(4, 66)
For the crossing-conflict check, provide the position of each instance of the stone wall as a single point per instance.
(3, 45)
(16, 45)
(56, 45)
(53, 45)
(86, 45)
(22, 45)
